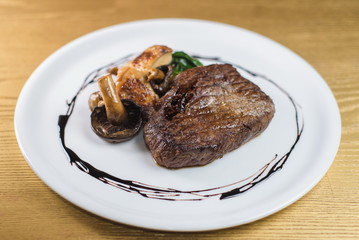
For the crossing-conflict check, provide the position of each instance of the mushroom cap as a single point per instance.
(120, 132)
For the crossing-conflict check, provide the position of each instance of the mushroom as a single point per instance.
(146, 63)
(95, 100)
(162, 84)
(116, 121)
(133, 79)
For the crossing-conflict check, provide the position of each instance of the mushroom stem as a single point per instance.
(115, 110)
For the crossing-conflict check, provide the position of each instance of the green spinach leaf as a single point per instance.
(182, 62)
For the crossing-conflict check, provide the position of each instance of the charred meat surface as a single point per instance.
(208, 112)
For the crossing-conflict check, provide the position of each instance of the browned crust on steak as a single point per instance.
(208, 112)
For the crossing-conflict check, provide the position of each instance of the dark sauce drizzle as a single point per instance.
(170, 194)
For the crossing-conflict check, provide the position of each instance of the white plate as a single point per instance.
(60, 76)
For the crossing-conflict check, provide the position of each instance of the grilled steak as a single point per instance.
(208, 112)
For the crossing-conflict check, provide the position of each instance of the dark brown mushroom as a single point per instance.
(117, 121)
(162, 84)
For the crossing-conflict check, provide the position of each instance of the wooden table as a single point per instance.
(325, 33)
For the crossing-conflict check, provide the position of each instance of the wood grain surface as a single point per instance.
(325, 33)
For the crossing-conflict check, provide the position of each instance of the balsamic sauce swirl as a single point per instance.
(170, 194)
